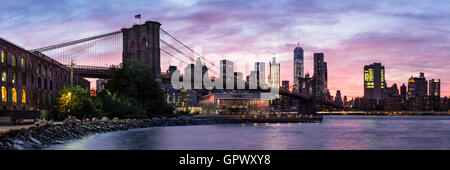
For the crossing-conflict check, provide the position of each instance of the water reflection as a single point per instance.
(336, 132)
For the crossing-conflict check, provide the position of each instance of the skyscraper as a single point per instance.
(260, 69)
(435, 87)
(298, 67)
(374, 81)
(417, 86)
(320, 75)
(226, 69)
(274, 75)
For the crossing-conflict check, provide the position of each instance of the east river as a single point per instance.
(335, 132)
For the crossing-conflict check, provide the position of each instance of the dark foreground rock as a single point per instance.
(48, 133)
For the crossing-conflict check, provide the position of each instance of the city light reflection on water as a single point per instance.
(335, 132)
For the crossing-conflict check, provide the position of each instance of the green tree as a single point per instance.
(135, 82)
(78, 103)
(120, 106)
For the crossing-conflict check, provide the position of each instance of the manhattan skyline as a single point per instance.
(406, 37)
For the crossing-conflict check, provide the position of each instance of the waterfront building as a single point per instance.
(417, 86)
(236, 103)
(374, 81)
(31, 81)
(435, 87)
(320, 76)
(298, 67)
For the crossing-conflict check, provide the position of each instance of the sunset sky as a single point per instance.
(407, 37)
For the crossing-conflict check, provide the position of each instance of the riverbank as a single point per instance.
(45, 133)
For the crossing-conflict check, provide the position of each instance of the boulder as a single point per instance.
(115, 120)
(50, 122)
(95, 120)
(104, 119)
(41, 123)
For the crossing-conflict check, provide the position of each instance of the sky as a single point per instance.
(407, 37)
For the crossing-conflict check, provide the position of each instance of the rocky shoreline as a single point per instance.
(46, 133)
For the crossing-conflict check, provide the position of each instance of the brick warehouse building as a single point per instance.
(30, 81)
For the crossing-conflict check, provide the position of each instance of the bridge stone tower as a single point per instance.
(141, 43)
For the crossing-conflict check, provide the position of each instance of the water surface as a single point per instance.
(335, 132)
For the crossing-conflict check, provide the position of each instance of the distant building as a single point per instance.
(274, 75)
(403, 91)
(171, 70)
(100, 85)
(285, 101)
(345, 101)
(338, 99)
(374, 81)
(435, 87)
(417, 86)
(226, 69)
(320, 76)
(260, 73)
(234, 103)
(392, 91)
(298, 67)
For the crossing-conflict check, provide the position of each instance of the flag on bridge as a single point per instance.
(138, 16)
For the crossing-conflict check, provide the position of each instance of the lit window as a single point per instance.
(24, 96)
(4, 94)
(4, 75)
(22, 61)
(3, 56)
(14, 60)
(14, 77)
(14, 95)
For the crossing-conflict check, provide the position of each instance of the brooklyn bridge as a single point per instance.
(147, 43)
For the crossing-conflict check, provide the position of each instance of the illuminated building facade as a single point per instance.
(298, 67)
(435, 87)
(31, 81)
(374, 81)
(417, 86)
(234, 104)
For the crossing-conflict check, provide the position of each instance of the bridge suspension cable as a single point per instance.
(190, 49)
(52, 47)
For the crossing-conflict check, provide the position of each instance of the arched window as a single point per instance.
(3, 56)
(14, 60)
(4, 75)
(24, 79)
(4, 94)
(24, 96)
(14, 95)
(23, 63)
(14, 77)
